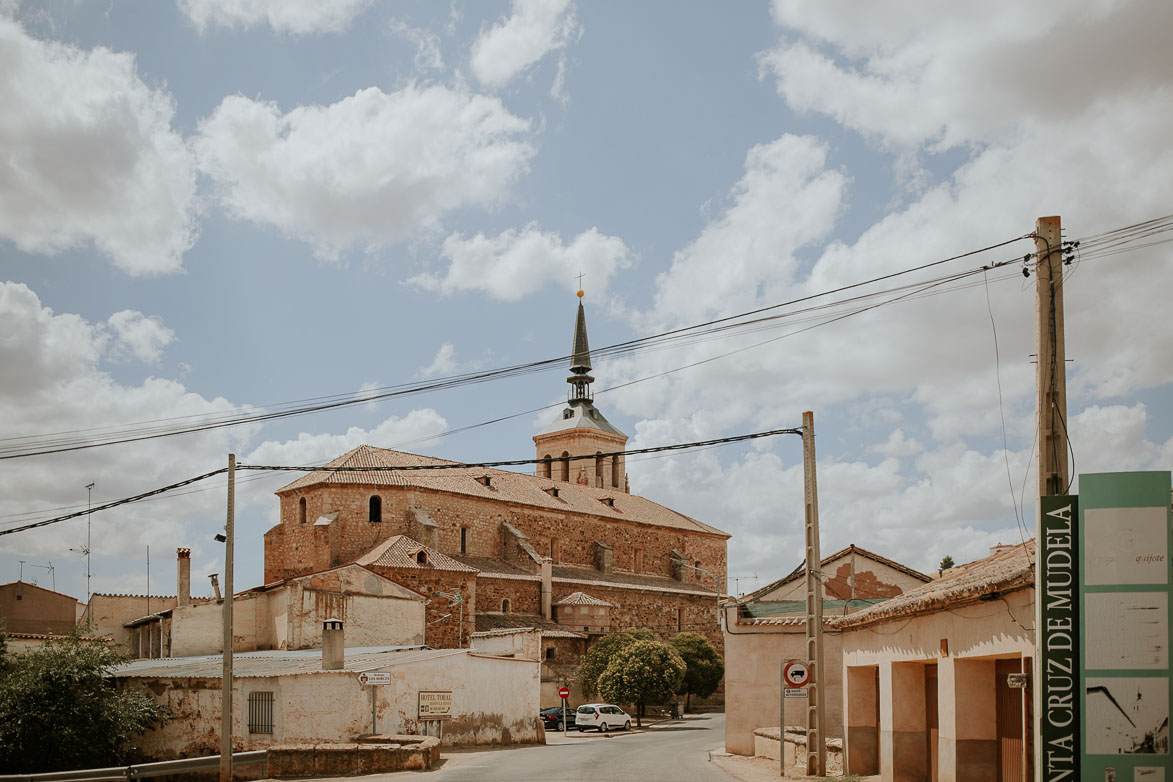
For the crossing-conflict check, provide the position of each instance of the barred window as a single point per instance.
(260, 712)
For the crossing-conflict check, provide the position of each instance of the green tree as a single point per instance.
(59, 709)
(595, 661)
(642, 672)
(946, 563)
(704, 666)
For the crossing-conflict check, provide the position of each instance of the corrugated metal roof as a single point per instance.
(277, 662)
(505, 486)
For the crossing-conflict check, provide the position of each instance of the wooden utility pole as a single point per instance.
(226, 613)
(1052, 367)
(816, 753)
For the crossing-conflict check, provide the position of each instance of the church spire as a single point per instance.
(580, 358)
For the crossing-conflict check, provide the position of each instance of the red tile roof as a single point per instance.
(426, 472)
(400, 551)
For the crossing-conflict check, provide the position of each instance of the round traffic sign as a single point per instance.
(563, 693)
(796, 673)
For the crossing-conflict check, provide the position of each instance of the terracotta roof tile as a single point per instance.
(490, 622)
(400, 551)
(504, 486)
(1008, 569)
(582, 599)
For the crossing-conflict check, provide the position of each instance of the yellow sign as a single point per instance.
(435, 705)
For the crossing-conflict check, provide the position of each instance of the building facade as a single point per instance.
(482, 544)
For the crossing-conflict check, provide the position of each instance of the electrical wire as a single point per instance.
(395, 468)
(80, 439)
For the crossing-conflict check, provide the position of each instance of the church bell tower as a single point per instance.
(581, 430)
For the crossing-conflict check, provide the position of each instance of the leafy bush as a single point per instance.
(60, 710)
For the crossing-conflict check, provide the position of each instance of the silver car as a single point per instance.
(602, 716)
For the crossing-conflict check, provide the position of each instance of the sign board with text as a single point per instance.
(374, 678)
(435, 705)
(1125, 622)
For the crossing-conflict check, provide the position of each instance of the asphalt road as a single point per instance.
(672, 752)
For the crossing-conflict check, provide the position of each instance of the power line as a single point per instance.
(73, 440)
(399, 468)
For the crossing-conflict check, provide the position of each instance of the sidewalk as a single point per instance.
(758, 769)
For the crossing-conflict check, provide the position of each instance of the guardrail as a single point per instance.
(142, 770)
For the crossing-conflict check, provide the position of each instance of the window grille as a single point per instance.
(260, 712)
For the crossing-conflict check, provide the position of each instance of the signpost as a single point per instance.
(435, 705)
(374, 679)
(564, 693)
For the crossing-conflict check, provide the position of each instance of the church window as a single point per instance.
(544, 467)
(376, 509)
(464, 540)
(505, 605)
(615, 471)
(564, 467)
(301, 511)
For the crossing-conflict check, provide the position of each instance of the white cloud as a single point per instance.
(425, 425)
(534, 29)
(140, 336)
(53, 383)
(300, 17)
(898, 444)
(427, 45)
(90, 156)
(445, 364)
(371, 168)
(515, 264)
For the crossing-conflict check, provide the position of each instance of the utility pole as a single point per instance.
(816, 753)
(1052, 367)
(226, 612)
(89, 545)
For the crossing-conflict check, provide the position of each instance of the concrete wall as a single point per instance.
(106, 614)
(526, 644)
(375, 612)
(872, 579)
(963, 643)
(495, 701)
(753, 678)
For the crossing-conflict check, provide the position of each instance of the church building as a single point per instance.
(568, 550)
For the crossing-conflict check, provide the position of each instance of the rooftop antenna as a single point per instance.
(52, 575)
(21, 570)
(89, 514)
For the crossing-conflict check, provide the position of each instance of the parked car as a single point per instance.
(554, 717)
(602, 716)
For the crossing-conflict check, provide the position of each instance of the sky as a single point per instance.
(211, 207)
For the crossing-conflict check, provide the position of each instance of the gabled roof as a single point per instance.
(583, 599)
(400, 551)
(798, 572)
(29, 585)
(426, 472)
(1010, 569)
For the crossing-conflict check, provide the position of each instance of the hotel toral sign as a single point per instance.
(435, 705)
(1059, 673)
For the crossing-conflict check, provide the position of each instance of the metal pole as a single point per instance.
(374, 712)
(226, 681)
(816, 753)
(89, 512)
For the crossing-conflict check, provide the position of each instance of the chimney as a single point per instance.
(216, 584)
(183, 575)
(333, 645)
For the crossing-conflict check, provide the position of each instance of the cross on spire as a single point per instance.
(580, 276)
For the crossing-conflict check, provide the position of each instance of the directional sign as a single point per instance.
(796, 673)
(374, 678)
(563, 693)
